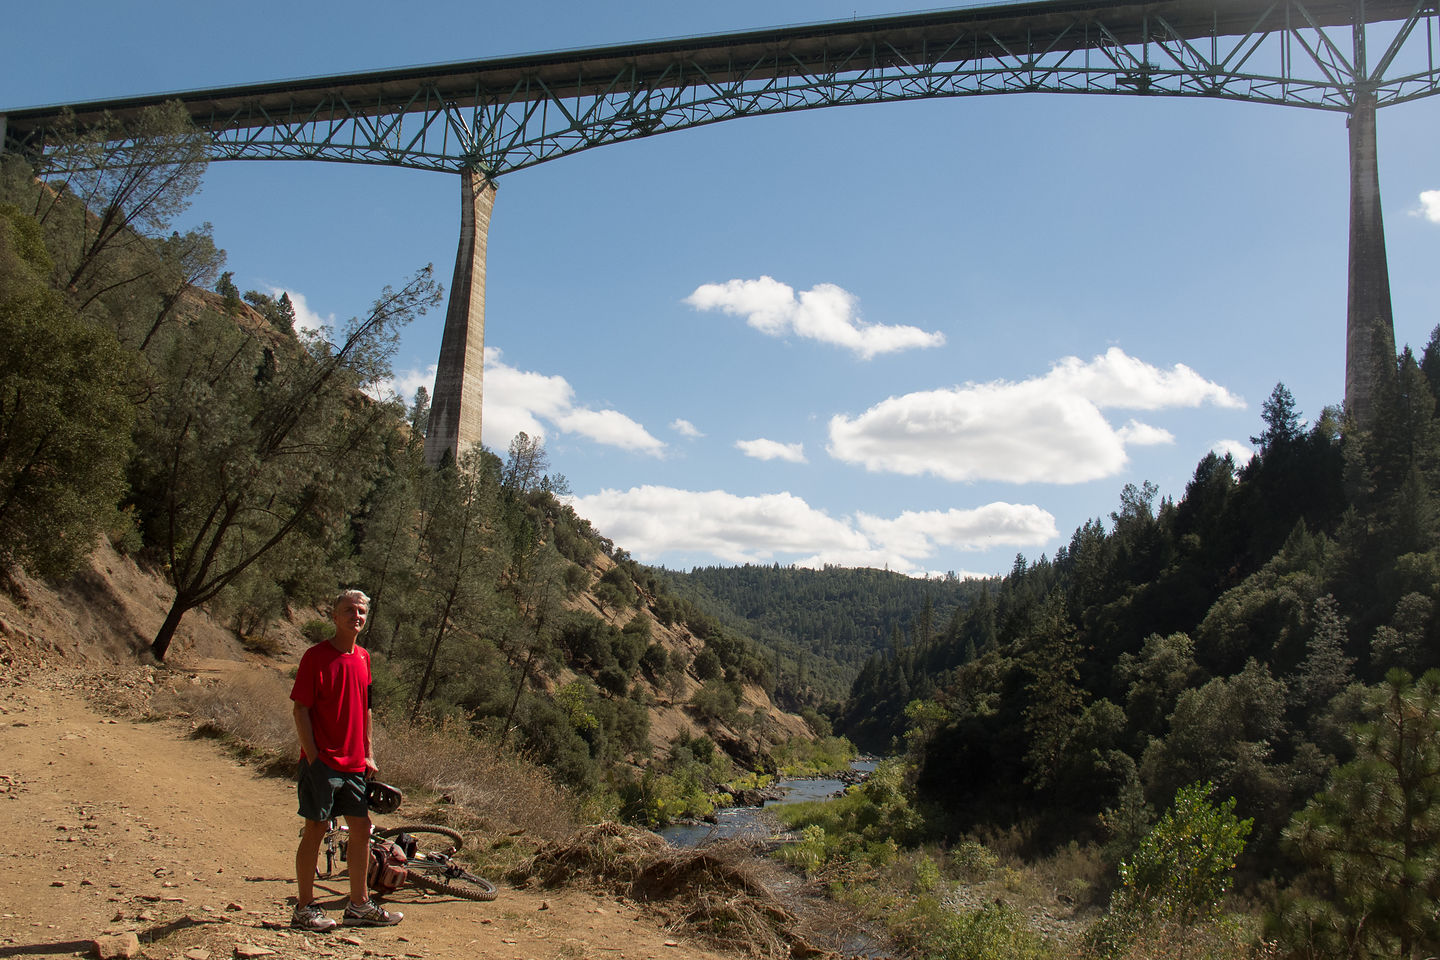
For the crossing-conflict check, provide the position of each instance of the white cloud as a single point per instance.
(685, 428)
(1144, 435)
(825, 312)
(1430, 205)
(919, 533)
(537, 404)
(517, 400)
(762, 449)
(1048, 429)
(612, 428)
(306, 319)
(406, 382)
(1236, 449)
(1118, 380)
(653, 521)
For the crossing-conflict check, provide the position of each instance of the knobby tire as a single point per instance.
(436, 876)
(464, 884)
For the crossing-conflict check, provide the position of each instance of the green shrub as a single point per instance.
(973, 860)
(654, 661)
(617, 587)
(638, 626)
(1183, 867)
(993, 932)
(716, 701)
(317, 630)
(800, 758)
(613, 679)
(808, 853)
(1176, 880)
(658, 799)
(927, 874)
(818, 724)
(707, 665)
(576, 578)
(876, 811)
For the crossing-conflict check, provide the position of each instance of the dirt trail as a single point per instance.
(110, 826)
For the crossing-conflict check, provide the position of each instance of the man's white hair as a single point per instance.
(349, 595)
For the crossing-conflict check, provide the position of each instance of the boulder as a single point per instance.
(123, 945)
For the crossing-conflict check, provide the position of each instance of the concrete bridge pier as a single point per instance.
(1369, 321)
(460, 374)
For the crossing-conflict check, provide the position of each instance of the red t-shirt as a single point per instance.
(335, 687)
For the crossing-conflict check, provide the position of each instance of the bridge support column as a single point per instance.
(1369, 321)
(459, 376)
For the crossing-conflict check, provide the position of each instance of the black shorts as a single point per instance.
(326, 793)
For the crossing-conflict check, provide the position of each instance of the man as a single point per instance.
(332, 718)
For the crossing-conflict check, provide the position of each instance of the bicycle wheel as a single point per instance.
(452, 879)
(426, 835)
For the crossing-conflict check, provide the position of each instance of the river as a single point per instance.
(747, 822)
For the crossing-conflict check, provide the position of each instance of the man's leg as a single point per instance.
(362, 911)
(307, 855)
(358, 856)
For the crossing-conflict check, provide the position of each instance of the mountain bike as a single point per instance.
(430, 862)
(434, 868)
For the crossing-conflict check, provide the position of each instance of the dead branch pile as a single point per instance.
(712, 891)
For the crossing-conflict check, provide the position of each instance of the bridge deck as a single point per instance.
(939, 37)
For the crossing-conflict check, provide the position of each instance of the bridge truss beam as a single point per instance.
(503, 115)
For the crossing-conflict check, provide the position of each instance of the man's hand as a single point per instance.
(371, 771)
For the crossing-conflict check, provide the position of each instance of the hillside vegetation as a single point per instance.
(821, 626)
(1243, 676)
(257, 468)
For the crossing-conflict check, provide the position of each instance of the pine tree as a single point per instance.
(464, 557)
(1282, 421)
(1054, 697)
(1325, 671)
(420, 412)
(1373, 837)
(64, 418)
(225, 286)
(231, 463)
(123, 195)
(287, 312)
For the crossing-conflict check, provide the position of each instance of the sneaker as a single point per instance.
(371, 914)
(311, 917)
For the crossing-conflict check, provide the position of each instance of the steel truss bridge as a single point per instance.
(487, 118)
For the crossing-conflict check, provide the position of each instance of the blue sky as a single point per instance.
(925, 336)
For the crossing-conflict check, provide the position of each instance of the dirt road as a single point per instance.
(110, 826)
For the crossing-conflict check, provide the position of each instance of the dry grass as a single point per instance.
(1204, 941)
(715, 891)
(498, 790)
(1075, 874)
(249, 709)
(448, 775)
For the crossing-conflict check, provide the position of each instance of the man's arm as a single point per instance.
(306, 733)
(371, 769)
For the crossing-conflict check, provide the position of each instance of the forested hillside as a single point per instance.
(822, 625)
(1259, 637)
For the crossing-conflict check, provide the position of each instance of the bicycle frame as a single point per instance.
(335, 845)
